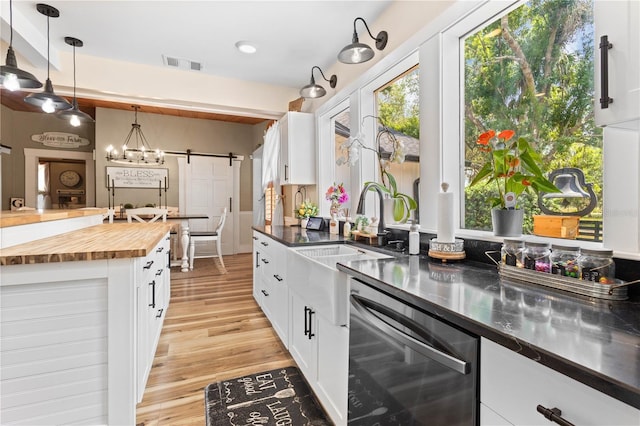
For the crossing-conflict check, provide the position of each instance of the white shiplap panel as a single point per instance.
(54, 352)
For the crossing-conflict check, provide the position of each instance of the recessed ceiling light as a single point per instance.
(246, 47)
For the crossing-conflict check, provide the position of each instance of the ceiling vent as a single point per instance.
(181, 63)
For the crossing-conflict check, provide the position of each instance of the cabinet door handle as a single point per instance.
(159, 272)
(255, 238)
(277, 277)
(264, 292)
(306, 321)
(264, 243)
(159, 315)
(159, 249)
(230, 205)
(148, 265)
(286, 169)
(311, 312)
(605, 100)
(153, 294)
(257, 259)
(554, 415)
(265, 260)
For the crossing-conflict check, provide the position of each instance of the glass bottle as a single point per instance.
(564, 260)
(597, 265)
(511, 252)
(536, 256)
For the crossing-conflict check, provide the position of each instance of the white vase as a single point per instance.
(303, 222)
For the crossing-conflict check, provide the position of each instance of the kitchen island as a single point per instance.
(592, 342)
(81, 313)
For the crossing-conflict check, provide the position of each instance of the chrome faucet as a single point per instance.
(360, 209)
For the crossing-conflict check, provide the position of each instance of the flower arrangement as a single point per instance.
(337, 194)
(512, 165)
(305, 210)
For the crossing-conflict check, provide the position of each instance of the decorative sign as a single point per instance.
(60, 140)
(137, 177)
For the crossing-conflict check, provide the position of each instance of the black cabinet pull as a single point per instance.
(265, 260)
(255, 238)
(286, 169)
(257, 259)
(554, 415)
(148, 265)
(159, 315)
(277, 277)
(153, 294)
(264, 292)
(159, 272)
(230, 205)
(264, 243)
(306, 321)
(311, 312)
(605, 100)
(159, 249)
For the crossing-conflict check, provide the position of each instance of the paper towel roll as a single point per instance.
(445, 216)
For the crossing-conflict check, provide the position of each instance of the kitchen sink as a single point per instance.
(314, 273)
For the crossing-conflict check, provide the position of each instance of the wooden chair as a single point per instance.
(206, 236)
(146, 214)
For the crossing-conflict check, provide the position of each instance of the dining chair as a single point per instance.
(146, 214)
(208, 236)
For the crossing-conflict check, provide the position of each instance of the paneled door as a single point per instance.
(208, 185)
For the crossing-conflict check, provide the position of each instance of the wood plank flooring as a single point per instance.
(214, 330)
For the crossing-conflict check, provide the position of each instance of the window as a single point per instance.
(340, 123)
(531, 70)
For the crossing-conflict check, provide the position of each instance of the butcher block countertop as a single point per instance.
(25, 217)
(108, 241)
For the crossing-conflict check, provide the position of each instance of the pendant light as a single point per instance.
(313, 90)
(356, 52)
(142, 153)
(11, 77)
(47, 100)
(74, 115)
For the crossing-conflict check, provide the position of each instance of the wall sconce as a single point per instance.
(313, 90)
(571, 183)
(356, 52)
(47, 100)
(11, 77)
(74, 115)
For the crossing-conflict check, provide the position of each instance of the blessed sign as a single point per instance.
(137, 177)
(60, 140)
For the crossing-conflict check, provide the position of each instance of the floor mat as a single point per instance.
(276, 397)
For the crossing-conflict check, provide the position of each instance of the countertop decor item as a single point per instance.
(305, 210)
(337, 195)
(142, 153)
(445, 246)
(313, 90)
(74, 115)
(356, 52)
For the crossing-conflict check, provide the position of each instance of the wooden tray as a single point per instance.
(359, 235)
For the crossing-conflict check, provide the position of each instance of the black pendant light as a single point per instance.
(47, 99)
(11, 77)
(313, 90)
(356, 52)
(74, 115)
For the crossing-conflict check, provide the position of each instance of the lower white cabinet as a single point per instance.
(512, 386)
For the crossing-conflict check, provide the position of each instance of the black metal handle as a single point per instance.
(605, 100)
(306, 321)
(277, 277)
(148, 265)
(169, 259)
(159, 272)
(264, 292)
(554, 415)
(255, 238)
(264, 243)
(153, 294)
(159, 315)
(257, 259)
(286, 168)
(159, 249)
(230, 205)
(311, 312)
(265, 260)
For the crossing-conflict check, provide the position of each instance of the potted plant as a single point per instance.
(304, 211)
(512, 164)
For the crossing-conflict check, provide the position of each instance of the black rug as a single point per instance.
(276, 397)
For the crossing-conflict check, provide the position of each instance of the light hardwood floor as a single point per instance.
(214, 330)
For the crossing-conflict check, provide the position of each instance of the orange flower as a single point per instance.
(525, 182)
(514, 163)
(506, 135)
(484, 138)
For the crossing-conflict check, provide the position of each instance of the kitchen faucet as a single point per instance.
(360, 210)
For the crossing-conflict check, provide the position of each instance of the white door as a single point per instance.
(208, 187)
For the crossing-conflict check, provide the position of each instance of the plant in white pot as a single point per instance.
(304, 211)
(512, 165)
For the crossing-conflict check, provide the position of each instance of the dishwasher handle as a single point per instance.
(447, 360)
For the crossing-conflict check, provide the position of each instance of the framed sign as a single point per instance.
(137, 177)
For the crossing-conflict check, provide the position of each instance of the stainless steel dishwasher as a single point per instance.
(407, 367)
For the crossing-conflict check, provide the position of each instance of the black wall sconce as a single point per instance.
(313, 90)
(356, 52)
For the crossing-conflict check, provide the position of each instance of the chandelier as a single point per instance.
(140, 153)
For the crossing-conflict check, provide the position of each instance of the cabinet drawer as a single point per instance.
(513, 386)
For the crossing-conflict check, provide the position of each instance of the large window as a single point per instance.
(531, 70)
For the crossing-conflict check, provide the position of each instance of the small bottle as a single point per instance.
(536, 257)
(414, 239)
(564, 260)
(333, 225)
(597, 265)
(346, 229)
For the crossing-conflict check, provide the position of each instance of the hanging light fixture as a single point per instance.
(47, 99)
(356, 52)
(313, 90)
(142, 153)
(11, 77)
(74, 115)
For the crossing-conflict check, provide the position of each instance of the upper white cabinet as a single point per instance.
(297, 149)
(617, 23)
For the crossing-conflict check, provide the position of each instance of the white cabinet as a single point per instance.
(512, 386)
(297, 149)
(619, 21)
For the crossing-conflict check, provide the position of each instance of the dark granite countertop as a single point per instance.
(593, 341)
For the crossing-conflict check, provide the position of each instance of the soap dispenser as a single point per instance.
(414, 238)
